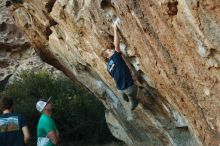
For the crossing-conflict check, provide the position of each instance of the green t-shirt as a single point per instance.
(45, 125)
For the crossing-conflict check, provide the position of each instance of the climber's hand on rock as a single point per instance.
(114, 26)
(116, 22)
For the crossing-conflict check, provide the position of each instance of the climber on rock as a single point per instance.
(119, 70)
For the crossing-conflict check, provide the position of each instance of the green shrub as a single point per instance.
(79, 116)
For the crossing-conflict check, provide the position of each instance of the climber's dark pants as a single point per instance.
(131, 92)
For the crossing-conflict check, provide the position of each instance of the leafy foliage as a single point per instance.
(79, 116)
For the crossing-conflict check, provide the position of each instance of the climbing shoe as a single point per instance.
(134, 104)
(125, 97)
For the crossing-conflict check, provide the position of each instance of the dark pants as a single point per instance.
(131, 93)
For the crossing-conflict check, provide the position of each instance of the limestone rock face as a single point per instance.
(16, 53)
(173, 48)
(13, 46)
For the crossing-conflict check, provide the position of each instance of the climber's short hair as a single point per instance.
(6, 103)
(104, 54)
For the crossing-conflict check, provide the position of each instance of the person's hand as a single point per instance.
(116, 21)
(114, 26)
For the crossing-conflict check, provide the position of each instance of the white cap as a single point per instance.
(41, 105)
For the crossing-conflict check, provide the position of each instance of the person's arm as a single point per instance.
(127, 63)
(26, 134)
(57, 132)
(133, 74)
(116, 40)
(117, 48)
(54, 136)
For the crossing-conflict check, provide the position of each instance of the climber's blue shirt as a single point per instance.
(118, 69)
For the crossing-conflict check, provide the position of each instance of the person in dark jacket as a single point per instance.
(119, 70)
(13, 127)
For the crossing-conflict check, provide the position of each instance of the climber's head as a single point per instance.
(107, 53)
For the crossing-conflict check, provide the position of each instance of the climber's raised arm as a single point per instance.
(116, 40)
(118, 68)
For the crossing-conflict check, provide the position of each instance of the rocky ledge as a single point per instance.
(16, 52)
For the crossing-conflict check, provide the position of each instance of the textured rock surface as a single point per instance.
(172, 45)
(16, 53)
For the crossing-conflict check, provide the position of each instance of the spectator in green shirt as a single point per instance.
(47, 133)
